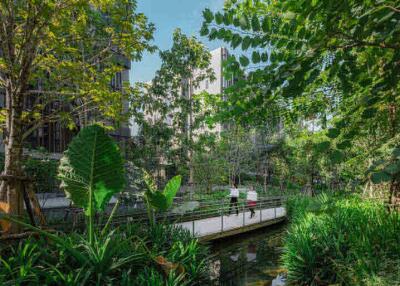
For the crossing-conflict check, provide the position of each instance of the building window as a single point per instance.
(207, 84)
(116, 81)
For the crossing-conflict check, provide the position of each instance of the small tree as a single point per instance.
(209, 169)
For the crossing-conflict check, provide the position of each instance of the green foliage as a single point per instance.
(151, 277)
(43, 170)
(91, 170)
(320, 76)
(168, 137)
(20, 264)
(161, 200)
(344, 241)
(386, 168)
(100, 262)
(182, 248)
(118, 258)
(84, 44)
(244, 61)
(209, 169)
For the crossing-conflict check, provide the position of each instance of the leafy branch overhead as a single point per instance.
(331, 64)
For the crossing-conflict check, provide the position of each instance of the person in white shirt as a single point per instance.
(251, 200)
(234, 195)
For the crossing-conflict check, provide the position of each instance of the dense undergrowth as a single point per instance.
(345, 241)
(131, 255)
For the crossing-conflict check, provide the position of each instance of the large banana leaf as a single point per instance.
(91, 170)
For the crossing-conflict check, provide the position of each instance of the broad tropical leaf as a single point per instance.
(158, 200)
(171, 189)
(91, 170)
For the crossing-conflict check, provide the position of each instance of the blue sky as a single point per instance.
(168, 15)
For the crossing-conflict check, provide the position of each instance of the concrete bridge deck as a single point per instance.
(226, 225)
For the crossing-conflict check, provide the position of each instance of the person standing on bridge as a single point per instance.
(251, 200)
(234, 195)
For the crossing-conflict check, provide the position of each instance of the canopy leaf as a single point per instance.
(333, 133)
(208, 15)
(380, 177)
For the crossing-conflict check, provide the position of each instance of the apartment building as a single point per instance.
(54, 137)
(218, 56)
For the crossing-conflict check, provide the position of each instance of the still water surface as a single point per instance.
(251, 259)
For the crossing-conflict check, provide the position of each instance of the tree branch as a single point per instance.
(361, 43)
(392, 8)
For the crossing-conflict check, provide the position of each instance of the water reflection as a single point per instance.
(250, 259)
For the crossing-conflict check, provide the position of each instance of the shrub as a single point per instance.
(43, 170)
(346, 241)
(177, 246)
(126, 256)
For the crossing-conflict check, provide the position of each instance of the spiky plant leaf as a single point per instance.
(91, 170)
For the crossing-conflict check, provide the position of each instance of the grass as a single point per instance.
(345, 241)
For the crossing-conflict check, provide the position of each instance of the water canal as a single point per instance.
(250, 259)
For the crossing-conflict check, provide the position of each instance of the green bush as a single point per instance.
(342, 240)
(41, 262)
(177, 246)
(42, 170)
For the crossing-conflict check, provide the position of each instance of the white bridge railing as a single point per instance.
(266, 210)
(201, 219)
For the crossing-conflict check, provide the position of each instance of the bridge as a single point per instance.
(207, 220)
(213, 221)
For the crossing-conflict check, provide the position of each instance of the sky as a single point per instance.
(167, 15)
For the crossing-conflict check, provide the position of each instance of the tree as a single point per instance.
(336, 63)
(209, 168)
(61, 53)
(172, 99)
(237, 147)
(152, 149)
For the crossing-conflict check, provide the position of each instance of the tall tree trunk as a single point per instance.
(265, 181)
(190, 134)
(10, 190)
(394, 199)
